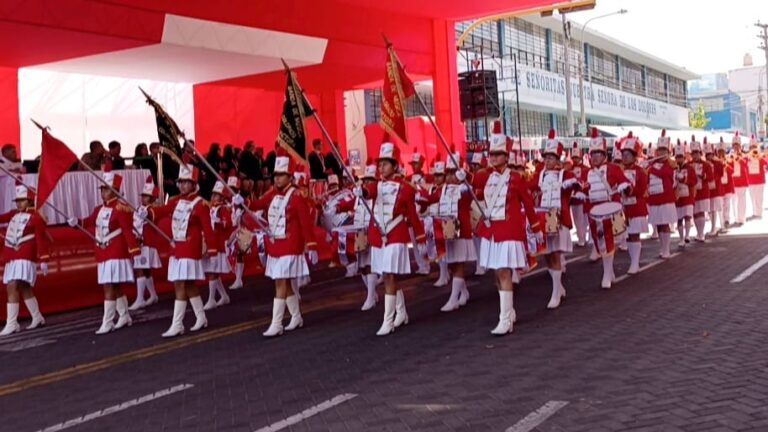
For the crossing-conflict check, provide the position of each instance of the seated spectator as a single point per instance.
(94, 158)
(118, 163)
(317, 168)
(10, 160)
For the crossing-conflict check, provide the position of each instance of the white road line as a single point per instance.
(537, 417)
(646, 267)
(748, 272)
(116, 408)
(307, 413)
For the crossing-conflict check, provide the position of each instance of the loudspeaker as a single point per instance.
(478, 94)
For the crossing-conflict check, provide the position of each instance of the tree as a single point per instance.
(697, 117)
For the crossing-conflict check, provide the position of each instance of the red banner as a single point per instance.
(397, 88)
(55, 160)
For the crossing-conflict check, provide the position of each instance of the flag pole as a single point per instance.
(53, 207)
(440, 135)
(334, 150)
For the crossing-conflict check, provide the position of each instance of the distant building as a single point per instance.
(731, 100)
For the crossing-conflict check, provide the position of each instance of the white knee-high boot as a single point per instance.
(401, 315)
(278, 312)
(149, 284)
(453, 299)
(700, 222)
(634, 257)
(294, 308)
(371, 298)
(665, 238)
(107, 321)
(223, 296)
(34, 310)
(200, 320)
(607, 271)
(444, 276)
(681, 232)
(123, 316)
(557, 288)
(177, 322)
(238, 283)
(464, 292)
(211, 303)
(506, 313)
(12, 319)
(388, 325)
(141, 283)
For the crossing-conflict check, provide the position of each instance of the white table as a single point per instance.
(76, 194)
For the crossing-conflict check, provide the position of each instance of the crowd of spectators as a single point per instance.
(250, 164)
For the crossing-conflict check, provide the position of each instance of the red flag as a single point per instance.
(397, 88)
(55, 160)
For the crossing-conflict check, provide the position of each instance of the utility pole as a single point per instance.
(764, 46)
(567, 64)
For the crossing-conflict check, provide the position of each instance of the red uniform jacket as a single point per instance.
(299, 227)
(464, 210)
(565, 194)
(222, 229)
(124, 245)
(718, 169)
(35, 249)
(686, 178)
(615, 178)
(727, 179)
(740, 177)
(756, 170)
(517, 200)
(405, 206)
(198, 227)
(634, 202)
(705, 178)
(663, 171)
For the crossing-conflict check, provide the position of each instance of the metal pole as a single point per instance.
(517, 104)
(567, 64)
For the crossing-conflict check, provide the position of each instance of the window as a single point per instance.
(678, 94)
(412, 106)
(558, 54)
(602, 68)
(528, 41)
(655, 82)
(632, 77)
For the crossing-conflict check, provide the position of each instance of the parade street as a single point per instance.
(678, 347)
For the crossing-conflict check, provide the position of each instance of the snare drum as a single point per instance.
(449, 228)
(613, 212)
(244, 239)
(361, 240)
(475, 215)
(549, 220)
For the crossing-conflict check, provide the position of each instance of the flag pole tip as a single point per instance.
(285, 65)
(386, 39)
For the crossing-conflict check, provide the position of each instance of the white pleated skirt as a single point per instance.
(664, 214)
(218, 264)
(560, 242)
(20, 270)
(701, 206)
(391, 259)
(115, 271)
(185, 269)
(286, 267)
(684, 211)
(149, 259)
(716, 204)
(638, 225)
(460, 251)
(506, 254)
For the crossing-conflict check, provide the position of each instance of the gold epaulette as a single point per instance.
(123, 208)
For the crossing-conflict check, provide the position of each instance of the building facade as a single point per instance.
(725, 109)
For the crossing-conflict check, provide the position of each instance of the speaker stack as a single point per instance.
(478, 94)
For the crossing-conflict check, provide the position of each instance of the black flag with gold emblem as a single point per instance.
(168, 133)
(293, 135)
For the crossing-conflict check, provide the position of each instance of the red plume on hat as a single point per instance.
(595, 133)
(663, 133)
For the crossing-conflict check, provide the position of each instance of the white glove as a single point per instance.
(312, 256)
(419, 198)
(463, 188)
(681, 175)
(215, 219)
(142, 213)
(580, 196)
(358, 191)
(421, 249)
(570, 183)
(44, 268)
(73, 222)
(624, 187)
(540, 237)
(461, 175)
(238, 200)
